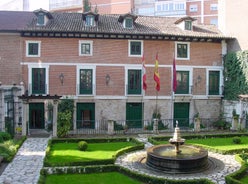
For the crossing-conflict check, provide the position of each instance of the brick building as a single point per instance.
(96, 60)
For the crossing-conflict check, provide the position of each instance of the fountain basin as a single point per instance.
(165, 158)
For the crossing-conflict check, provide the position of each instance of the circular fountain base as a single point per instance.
(165, 158)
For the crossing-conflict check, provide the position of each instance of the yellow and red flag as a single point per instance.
(156, 76)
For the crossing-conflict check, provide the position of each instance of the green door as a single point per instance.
(85, 115)
(134, 115)
(36, 116)
(181, 114)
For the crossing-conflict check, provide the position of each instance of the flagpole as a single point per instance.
(173, 88)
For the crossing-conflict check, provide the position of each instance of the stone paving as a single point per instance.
(225, 164)
(25, 167)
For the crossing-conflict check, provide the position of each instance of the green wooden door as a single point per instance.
(85, 115)
(134, 115)
(36, 116)
(181, 114)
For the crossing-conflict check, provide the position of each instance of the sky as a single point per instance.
(17, 4)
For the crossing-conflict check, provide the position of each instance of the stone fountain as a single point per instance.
(177, 157)
(177, 140)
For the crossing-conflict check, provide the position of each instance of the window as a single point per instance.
(182, 82)
(41, 19)
(135, 48)
(179, 6)
(214, 83)
(193, 8)
(182, 50)
(134, 82)
(85, 81)
(89, 20)
(38, 80)
(214, 7)
(214, 21)
(128, 23)
(188, 25)
(85, 48)
(33, 48)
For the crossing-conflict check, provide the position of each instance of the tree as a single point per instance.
(87, 6)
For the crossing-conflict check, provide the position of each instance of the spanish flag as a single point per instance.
(156, 74)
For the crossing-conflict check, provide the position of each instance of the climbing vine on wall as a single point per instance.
(235, 74)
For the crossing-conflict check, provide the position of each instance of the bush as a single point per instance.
(4, 136)
(236, 140)
(82, 145)
(64, 123)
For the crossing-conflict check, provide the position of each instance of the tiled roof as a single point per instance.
(13, 21)
(72, 22)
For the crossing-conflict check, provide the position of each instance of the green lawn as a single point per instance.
(244, 179)
(69, 152)
(220, 143)
(99, 178)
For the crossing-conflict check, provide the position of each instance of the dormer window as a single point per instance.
(127, 20)
(188, 25)
(185, 23)
(43, 17)
(90, 18)
(128, 23)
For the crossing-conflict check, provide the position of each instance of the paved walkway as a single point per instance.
(25, 167)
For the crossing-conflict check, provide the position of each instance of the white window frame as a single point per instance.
(193, 8)
(127, 68)
(93, 68)
(129, 48)
(27, 48)
(40, 65)
(188, 50)
(220, 78)
(90, 20)
(190, 70)
(127, 19)
(214, 7)
(85, 42)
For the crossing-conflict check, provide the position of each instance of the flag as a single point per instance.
(156, 74)
(144, 73)
(174, 75)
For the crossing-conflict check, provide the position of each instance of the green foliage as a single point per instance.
(66, 105)
(221, 124)
(64, 123)
(118, 126)
(236, 140)
(82, 145)
(235, 74)
(4, 136)
(87, 6)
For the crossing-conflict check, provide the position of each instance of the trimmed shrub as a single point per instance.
(236, 140)
(82, 145)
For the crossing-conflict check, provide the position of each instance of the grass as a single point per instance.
(220, 143)
(223, 144)
(99, 178)
(69, 152)
(244, 179)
